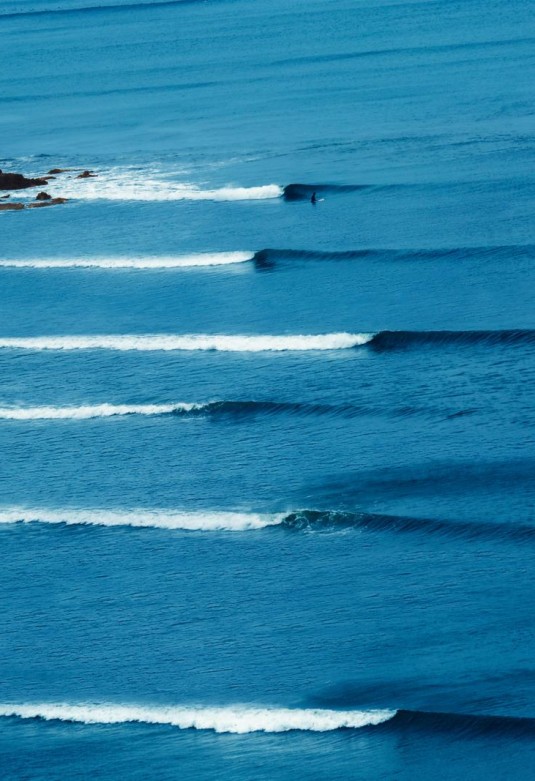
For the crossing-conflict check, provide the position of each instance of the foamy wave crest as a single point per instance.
(180, 261)
(134, 185)
(336, 341)
(153, 519)
(236, 719)
(92, 411)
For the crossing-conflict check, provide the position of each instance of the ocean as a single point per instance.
(267, 475)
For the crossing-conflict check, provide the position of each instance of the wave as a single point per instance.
(236, 719)
(245, 719)
(214, 409)
(291, 521)
(123, 184)
(303, 192)
(225, 343)
(380, 341)
(156, 262)
(155, 519)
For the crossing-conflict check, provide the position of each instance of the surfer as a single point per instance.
(313, 198)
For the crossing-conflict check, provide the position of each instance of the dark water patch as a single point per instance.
(402, 340)
(303, 192)
(461, 725)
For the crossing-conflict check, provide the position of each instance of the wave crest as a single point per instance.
(236, 719)
(157, 519)
(165, 342)
(156, 262)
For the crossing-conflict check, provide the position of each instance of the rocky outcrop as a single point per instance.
(42, 196)
(17, 206)
(51, 202)
(58, 171)
(10, 207)
(18, 182)
(86, 175)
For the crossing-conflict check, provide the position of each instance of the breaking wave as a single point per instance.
(245, 719)
(381, 341)
(156, 262)
(297, 342)
(215, 409)
(91, 411)
(236, 719)
(291, 521)
(123, 184)
(154, 519)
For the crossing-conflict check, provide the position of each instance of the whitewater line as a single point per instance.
(235, 719)
(200, 520)
(93, 411)
(189, 342)
(149, 262)
(127, 186)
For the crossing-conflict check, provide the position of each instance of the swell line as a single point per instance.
(271, 256)
(97, 8)
(235, 719)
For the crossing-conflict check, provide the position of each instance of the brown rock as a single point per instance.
(18, 182)
(51, 202)
(85, 175)
(42, 196)
(7, 207)
(58, 170)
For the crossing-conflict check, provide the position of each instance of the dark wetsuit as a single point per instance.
(313, 199)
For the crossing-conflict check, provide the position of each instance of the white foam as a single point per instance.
(159, 519)
(335, 341)
(156, 262)
(235, 719)
(125, 184)
(92, 411)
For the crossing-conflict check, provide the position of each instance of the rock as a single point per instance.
(85, 175)
(51, 202)
(18, 182)
(5, 207)
(58, 171)
(3, 197)
(42, 196)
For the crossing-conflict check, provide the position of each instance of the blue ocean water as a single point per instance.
(267, 503)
